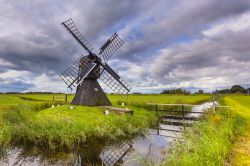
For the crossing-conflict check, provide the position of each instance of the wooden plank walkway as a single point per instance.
(118, 110)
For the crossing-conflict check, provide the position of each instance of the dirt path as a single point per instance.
(240, 154)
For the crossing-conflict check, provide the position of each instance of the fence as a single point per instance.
(61, 98)
(176, 121)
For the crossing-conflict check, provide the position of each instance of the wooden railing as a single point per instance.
(176, 117)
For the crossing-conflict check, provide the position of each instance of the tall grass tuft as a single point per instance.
(208, 143)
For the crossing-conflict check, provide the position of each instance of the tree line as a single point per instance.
(234, 90)
(176, 91)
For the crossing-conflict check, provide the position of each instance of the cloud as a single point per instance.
(12, 80)
(4, 63)
(209, 62)
(232, 25)
(25, 81)
(48, 84)
(185, 20)
(180, 43)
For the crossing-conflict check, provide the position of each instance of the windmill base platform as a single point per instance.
(90, 94)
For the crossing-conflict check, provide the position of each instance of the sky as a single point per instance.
(191, 44)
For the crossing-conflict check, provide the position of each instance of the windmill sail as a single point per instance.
(113, 81)
(110, 47)
(71, 27)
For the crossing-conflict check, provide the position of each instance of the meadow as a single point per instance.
(7, 99)
(131, 99)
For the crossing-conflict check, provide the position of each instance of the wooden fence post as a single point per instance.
(158, 120)
(66, 98)
(183, 116)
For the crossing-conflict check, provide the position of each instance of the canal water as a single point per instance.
(152, 148)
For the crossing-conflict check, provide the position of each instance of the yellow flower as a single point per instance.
(216, 118)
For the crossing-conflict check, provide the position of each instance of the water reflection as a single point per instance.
(116, 154)
(151, 148)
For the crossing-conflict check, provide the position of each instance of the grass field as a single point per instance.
(130, 99)
(240, 154)
(139, 100)
(11, 100)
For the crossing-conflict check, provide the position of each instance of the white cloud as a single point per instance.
(14, 74)
(5, 63)
(45, 83)
(235, 24)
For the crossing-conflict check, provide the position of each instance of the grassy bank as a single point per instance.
(220, 137)
(61, 127)
(208, 142)
(240, 154)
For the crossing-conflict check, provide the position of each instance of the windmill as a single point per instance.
(86, 70)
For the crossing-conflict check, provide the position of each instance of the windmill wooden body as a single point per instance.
(86, 70)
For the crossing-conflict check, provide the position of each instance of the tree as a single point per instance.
(238, 89)
(200, 91)
(175, 91)
(233, 89)
(137, 93)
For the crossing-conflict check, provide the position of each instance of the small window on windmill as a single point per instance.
(96, 89)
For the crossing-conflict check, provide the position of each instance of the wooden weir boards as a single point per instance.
(180, 120)
(182, 105)
(176, 111)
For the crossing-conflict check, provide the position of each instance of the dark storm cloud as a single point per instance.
(186, 18)
(34, 40)
(31, 38)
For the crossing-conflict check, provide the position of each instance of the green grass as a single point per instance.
(240, 154)
(6, 100)
(143, 99)
(215, 139)
(208, 142)
(46, 97)
(135, 100)
(61, 127)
